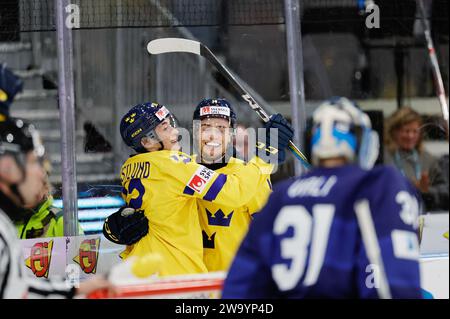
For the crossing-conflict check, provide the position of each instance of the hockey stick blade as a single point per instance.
(171, 45)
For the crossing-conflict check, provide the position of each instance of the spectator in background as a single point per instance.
(439, 188)
(404, 150)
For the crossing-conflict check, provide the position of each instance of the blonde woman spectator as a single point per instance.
(405, 151)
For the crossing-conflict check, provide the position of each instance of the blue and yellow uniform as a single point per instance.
(166, 185)
(224, 226)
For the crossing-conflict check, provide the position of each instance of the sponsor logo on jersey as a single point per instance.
(130, 119)
(162, 113)
(214, 110)
(40, 258)
(200, 179)
(87, 256)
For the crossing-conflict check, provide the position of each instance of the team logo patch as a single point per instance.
(40, 258)
(88, 255)
(200, 179)
(214, 110)
(162, 113)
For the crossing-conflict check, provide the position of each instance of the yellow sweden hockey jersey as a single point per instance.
(224, 226)
(166, 186)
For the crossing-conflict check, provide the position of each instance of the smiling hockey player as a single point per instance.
(165, 184)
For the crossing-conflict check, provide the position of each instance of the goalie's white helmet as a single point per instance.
(341, 129)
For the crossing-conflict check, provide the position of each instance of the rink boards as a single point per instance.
(80, 257)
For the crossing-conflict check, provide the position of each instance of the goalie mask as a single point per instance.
(341, 129)
(140, 121)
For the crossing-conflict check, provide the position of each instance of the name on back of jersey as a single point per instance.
(315, 186)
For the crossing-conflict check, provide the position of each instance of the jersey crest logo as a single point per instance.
(87, 256)
(219, 218)
(208, 242)
(40, 258)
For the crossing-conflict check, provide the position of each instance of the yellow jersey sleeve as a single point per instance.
(234, 189)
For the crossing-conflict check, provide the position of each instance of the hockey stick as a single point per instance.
(170, 45)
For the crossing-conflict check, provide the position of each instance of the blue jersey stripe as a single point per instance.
(215, 188)
(188, 191)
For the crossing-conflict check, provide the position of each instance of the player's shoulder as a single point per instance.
(161, 157)
(386, 173)
(385, 180)
(166, 156)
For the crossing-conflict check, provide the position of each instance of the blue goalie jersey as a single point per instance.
(307, 241)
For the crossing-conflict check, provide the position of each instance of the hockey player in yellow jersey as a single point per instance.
(165, 184)
(223, 223)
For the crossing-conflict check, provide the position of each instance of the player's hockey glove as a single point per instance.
(272, 147)
(126, 226)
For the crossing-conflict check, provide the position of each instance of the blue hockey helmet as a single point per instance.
(215, 108)
(140, 121)
(341, 129)
(17, 138)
